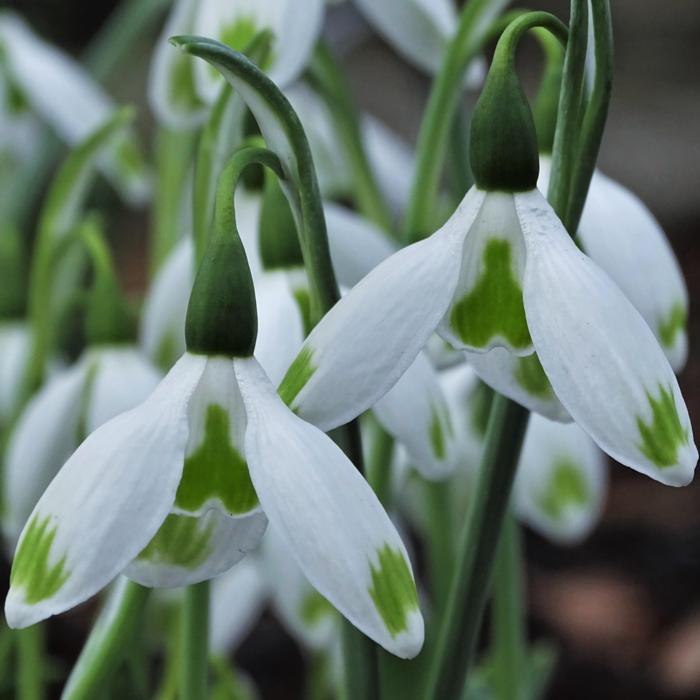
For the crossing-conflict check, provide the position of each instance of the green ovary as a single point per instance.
(664, 435)
(673, 325)
(181, 541)
(314, 607)
(393, 590)
(566, 489)
(531, 377)
(216, 471)
(494, 308)
(298, 375)
(31, 569)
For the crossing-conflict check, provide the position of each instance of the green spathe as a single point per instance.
(567, 488)
(393, 590)
(494, 307)
(215, 471)
(31, 569)
(674, 323)
(665, 434)
(297, 376)
(181, 541)
(531, 377)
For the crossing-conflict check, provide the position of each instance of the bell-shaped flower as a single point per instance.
(181, 91)
(621, 235)
(64, 96)
(503, 280)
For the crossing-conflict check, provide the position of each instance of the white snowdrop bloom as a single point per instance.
(621, 235)
(181, 92)
(74, 402)
(14, 348)
(63, 95)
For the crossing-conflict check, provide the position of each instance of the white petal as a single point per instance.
(188, 549)
(45, 436)
(280, 323)
(561, 481)
(14, 347)
(415, 412)
(295, 31)
(488, 310)
(332, 522)
(123, 379)
(363, 345)
(602, 360)
(105, 504)
(356, 245)
(162, 333)
(237, 599)
(519, 378)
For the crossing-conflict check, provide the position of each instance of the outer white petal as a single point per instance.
(108, 500)
(45, 436)
(561, 481)
(519, 378)
(415, 412)
(14, 347)
(123, 379)
(162, 333)
(366, 342)
(296, 31)
(604, 363)
(188, 550)
(357, 246)
(280, 324)
(237, 599)
(330, 518)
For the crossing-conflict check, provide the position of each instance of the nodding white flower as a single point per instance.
(420, 30)
(14, 348)
(621, 235)
(181, 91)
(63, 95)
(105, 382)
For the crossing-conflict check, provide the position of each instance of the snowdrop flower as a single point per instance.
(622, 236)
(179, 488)
(181, 91)
(503, 280)
(105, 382)
(61, 93)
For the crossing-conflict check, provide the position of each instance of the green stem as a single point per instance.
(472, 33)
(461, 178)
(30, 648)
(441, 551)
(476, 550)
(360, 669)
(108, 642)
(508, 616)
(379, 464)
(331, 83)
(195, 643)
(546, 104)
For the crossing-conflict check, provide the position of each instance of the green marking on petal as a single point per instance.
(393, 590)
(531, 377)
(181, 541)
(665, 434)
(567, 488)
(216, 471)
(314, 608)
(31, 569)
(439, 429)
(494, 307)
(673, 324)
(167, 351)
(298, 375)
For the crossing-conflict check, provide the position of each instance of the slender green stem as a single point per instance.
(168, 686)
(195, 642)
(546, 104)
(360, 669)
(441, 551)
(108, 642)
(508, 640)
(332, 85)
(379, 464)
(460, 171)
(30, 676)
(476, 550)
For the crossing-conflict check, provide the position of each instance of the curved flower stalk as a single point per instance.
(621, 235)
(502, 280)
(181, 92)
(63, 95)
(105, 382)
(419, 30)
